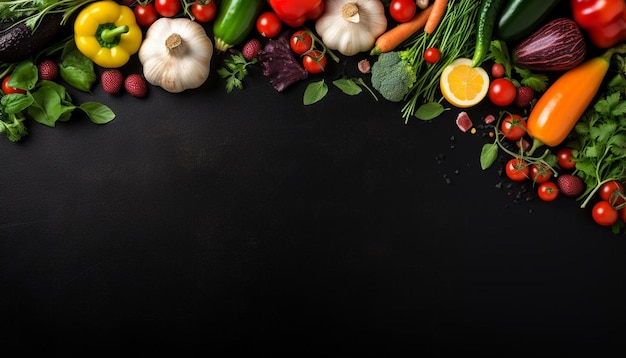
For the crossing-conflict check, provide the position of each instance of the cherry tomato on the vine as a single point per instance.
(167, 8)
(604, 213)
(204, 10)
(565, 158)
(268, 24)
(6, 89)
(517, 169)
(502, 92)
(314, 61)
(145, 15)
(548, 191)
(497, 70)
(540, 173)
(301, 42)
(613, 192)
(402, 10)
(513, 127)
(432, 55)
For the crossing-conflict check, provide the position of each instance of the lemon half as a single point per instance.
(462, 85)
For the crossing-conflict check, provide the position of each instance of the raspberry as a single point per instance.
(112, 81)
(48, 70)
(524, 96)
(570, 184)
(251, 49)
(136, 85)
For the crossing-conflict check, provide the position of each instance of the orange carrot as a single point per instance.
(439, 9)
(395, 36)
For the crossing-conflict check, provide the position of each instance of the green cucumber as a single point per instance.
(487, 15)
(235, 20)
(519, 18)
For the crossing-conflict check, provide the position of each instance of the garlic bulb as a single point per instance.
(176, 54)
(351, 26)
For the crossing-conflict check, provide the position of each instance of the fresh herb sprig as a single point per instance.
(499, 52)
(32, 12)
(235, 69)
(599, 137)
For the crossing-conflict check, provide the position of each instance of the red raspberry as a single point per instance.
(251, 49)
(48, 70)
(136, 85)
(112, 81)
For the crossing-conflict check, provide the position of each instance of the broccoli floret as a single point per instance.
(15, 129)
(393, 76)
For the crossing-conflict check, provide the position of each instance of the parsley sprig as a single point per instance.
(599, 137)
(235, 70)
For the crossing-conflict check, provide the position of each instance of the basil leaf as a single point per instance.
(97, 112)
(429, 110)
(314, 92)
(24, 76)
(488, 155)
(15, 103)
(347, 86)
(76, 68)
(47, 107)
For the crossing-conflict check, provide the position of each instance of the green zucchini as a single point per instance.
(487, 15)
(519, 18)
(235, 20)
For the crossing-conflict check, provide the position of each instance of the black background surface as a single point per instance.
(249, 222)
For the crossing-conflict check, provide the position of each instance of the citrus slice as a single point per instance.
(463, 85)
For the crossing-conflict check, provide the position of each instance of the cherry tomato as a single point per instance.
(540, 173)
(301, 42)
(268, 24)
(613, 192)
(604, 213)
(167, 8)
(314, 61)
(548, 191)
(497, 70)
(517, 169)
(565, 158)
(146, 15)
(204, 10)
(6, 89)
(432, 55)
(513, 127)
(402, 10)
(502, 92)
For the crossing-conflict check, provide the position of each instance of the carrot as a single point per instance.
(393, 37)
(439, 9)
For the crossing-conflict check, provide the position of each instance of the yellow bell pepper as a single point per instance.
(107, 33)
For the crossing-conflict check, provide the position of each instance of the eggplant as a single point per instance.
(557, 46)
(18, 41)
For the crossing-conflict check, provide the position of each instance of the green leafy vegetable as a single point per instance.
(234, 71)
(352, 86)
(500, 54)
(599, 137)
(76, 68)
(430, 110)
(314, 92)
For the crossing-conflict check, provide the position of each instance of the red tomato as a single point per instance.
(604, 214)
(502, 92)
(167, 8)
(565, 158)
(613, 192)
(497, 70)
(314, 61)
(145, 15)
(301, 42)
(402, 10)
(6, 89)
(204, 10)
(548, 191)
(517, 169)
(540, 173)
(432, 55)
(268, 24)
(513, 127)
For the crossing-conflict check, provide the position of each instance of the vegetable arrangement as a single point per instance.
(546, 74)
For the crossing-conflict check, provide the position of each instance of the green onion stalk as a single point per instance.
(455, 37)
